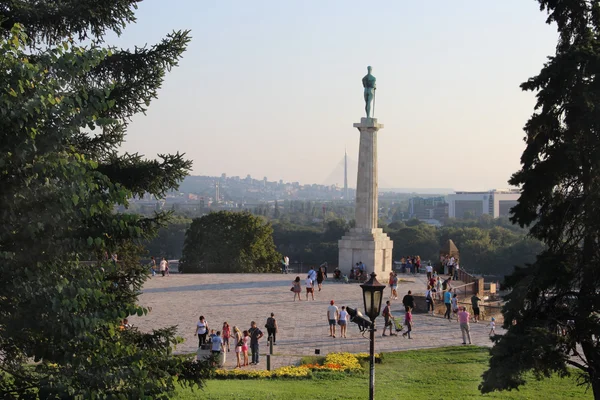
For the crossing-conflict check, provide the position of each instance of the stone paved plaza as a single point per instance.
(240, 298)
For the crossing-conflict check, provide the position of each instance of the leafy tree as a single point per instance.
(335, 229)
(227, 241)
(170, 239)
(560, 180)
(63, 115)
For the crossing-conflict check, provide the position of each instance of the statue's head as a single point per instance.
(369, 69)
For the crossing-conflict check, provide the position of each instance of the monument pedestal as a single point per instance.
(366, 242)
(373, 248)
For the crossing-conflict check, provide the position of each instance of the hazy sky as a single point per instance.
(272, 88)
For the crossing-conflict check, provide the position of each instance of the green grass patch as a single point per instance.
(441, 373)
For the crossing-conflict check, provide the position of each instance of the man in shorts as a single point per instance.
(475, 303)
(309, 287)
(333, 314)
(388, 317)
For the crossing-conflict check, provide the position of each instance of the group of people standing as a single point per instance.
(450, 265)
(410, 264)
(219, 341)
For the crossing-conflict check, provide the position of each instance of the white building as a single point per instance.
(496, 203)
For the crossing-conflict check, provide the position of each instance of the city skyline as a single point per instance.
(273, 89)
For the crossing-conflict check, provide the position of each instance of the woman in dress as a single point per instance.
(296, 288)
(225, 334)
(201, 330)
(320, 277)
(239, 342)
(245, 346)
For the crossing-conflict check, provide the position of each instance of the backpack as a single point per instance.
(270, 323)
(386, 311)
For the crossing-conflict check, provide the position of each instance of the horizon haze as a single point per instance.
(272, 88)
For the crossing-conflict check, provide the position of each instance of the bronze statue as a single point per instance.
(370, 86)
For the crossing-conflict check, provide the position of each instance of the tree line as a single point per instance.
(488, 246)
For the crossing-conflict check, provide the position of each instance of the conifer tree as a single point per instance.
(551, 315)
(64, 110)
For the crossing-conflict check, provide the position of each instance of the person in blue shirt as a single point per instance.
(448, 303)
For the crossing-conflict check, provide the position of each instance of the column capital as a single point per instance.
(368, 124)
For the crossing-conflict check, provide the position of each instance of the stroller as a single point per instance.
(398, 325)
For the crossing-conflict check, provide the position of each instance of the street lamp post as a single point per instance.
(372, 295)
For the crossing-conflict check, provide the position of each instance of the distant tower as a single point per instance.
(345, 175)
(217, 196)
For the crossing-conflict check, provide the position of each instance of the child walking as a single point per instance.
(493, 326)
(408, 322)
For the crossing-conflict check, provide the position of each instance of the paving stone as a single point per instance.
(303, 326)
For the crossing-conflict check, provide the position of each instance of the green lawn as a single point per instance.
(442, 373)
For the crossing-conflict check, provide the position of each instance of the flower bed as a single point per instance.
(283, 372)
(335, 362)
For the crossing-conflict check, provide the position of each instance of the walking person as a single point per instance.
(343, 321)
(475, 304)
(255, 335)
(429, 270)
(388, 317)
(395, 287)
(324, 267)
(163, 266)
(493, 326)
(296, 288)
(309, 287)
(153, 265)
(448, 304)
(463, 318)
(320, 278)
(333, 314)
(239, 342)
(391, 283)
(408, 319)
(271, 326)
(429, 299)
(201, 330)
(408, 301)
(438, 287)
(226, 334)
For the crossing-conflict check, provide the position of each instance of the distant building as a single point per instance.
(496, 203)
(428, 208)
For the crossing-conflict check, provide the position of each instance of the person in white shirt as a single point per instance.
(343, 321)
(333, 314)
(493, 326)
(309, 287)
(163, 266)
(456, 268)
(429, 270)
(454, 303)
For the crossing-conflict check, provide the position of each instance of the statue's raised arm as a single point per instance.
(370, 85)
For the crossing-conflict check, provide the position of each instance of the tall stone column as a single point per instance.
(366, 182)
(366, 242)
